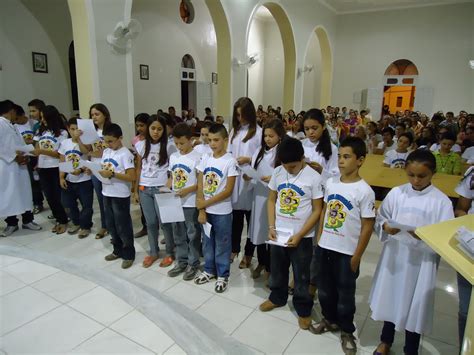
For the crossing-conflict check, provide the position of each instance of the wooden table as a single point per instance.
(441, 238)
(375, 174)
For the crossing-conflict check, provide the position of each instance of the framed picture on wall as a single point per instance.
(40, 62)
(214, 78)
(144, 72)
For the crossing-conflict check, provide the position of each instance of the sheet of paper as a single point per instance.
(25, 148)
(402, 227)
(66, 167)
(164, 189)
(207, 229)
(95, 168)
(282, 235)
(249, 171)
(170, 207)
(89, 134)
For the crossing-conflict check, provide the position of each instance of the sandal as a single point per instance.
(61, 228)
(203, 278)
(221, 284)
(349, 347)
(385, 351)
(323, 327)
(101, 234)
(55, 228)
(246, 262)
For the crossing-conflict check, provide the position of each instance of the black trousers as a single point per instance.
(35, 184)
(26, 218)
(49, 178)
(263, 253)
(238, 227)
(412, 340)
(119, 225)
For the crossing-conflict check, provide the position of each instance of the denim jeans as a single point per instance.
(337, 286)
(49, 179)
(84, 192)
(315, 266)
(153, 221)
(464, 291)
(217, 247)
(412, 339)
(119, 225)
(100, 198)
(187, 238)
(299, 258)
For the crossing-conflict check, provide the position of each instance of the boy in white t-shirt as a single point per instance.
(118, 166)
(349, 217)
(183, 181)
(216, 180)
(76, 185)
(396, 158)
(294, 206)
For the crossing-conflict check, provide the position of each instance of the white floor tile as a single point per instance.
(435, 347)
(53, 243)
(8, 283)
(63, 286)
(8, 241)
(141, 330)
(110, 342)
(21, 306)
(225, 314)
(181, 292)
(265, 333)
(133, 272)
(156, 280)
(30, 271)
(57, 331)
(6, 260)
(101, 305)
(175, 350)
(246, 291)
(445, 328)
(308, 343)
(30, 237)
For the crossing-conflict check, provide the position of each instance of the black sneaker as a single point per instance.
(190, 273)
(221, 284)
(178, 269)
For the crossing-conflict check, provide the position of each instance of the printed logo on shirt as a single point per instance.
(109, 164)
(212, 178)
(27, 135)
(335, 211)
(99, 145)
(74, 156)
(398, 163)
(180, 176)
(288, 197)
(47, 143)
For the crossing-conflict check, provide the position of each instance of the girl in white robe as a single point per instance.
(264, 161)
(403, 287)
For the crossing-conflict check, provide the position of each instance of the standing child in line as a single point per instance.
(203, 148)
(396, 158)
(49, 138)
(118, 166)
(152, 173)
(76, 185)
(245, 140)
(264, 162)
(183, 181)
(403, 287)
(447, 161)
(294, 206)
(216, 180)
(349, 216)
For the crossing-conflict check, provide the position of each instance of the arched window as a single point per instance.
(186, 11)
(402, 67)
(187, 62)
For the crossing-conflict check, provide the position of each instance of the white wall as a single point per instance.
(28, 26)
(274, 66)
(438, 39)
(312, 80)
(256, 44)
(165, 39)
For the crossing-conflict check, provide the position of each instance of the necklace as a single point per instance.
(444, 160)
(296, 177)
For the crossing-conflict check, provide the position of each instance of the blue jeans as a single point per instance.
(464, 290)
(218, 246)
(84, 192)
(300, 259)
(119, 225)
(187, 238)
(153, 221)
(100, 198)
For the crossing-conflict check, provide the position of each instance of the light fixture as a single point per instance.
(305, 69)
(471, 63)
(251, 60)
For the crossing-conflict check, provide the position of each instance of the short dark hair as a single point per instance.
(449, 136)
(207, 109)
(182, 130)
(71, 121)
(408, 135)
(290, 150)
(170, 121)
(357, 144)
(6, 106)
(19, 110)
(207, 124)
(113, 130)
(401, 124)
(217, 128)
(388, 130)
(423, 156)
(142, 117)
(37, 103)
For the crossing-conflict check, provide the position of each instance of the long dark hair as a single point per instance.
(102, 109)
(324, 147)
(247, 111)
(277, 126)
(54, 122)
(163, 140)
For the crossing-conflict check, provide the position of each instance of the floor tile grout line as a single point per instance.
(126, 337)
(294, 336)
(168, 348)
(241, 323)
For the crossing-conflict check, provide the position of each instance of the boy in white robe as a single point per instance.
(403, 287)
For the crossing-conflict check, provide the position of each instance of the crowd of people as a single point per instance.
(293, 177)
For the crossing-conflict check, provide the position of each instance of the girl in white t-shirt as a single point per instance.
(50, 135)
(152, 173)
(244, 141)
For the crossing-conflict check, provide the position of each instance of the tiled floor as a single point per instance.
(47, 310)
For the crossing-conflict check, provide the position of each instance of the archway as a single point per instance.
(400, 86)
(188, 83)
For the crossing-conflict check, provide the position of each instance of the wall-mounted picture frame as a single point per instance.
(40, 62)
(144, 72)
(214, 78)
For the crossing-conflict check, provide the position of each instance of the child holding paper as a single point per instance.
(217, 175)
(294, 206)
(76, 185)
(403, 287)
(152, 173)
(183, 181)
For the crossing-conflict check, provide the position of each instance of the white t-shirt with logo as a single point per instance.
(386, 149)
(468, 155)
(456, 148)
(395, 159)
(152, 174)
(117, 161)
(72, 152)
(294, 197)
(215, 173)
(26, 130)
(203, 149)
(466, 187)
(346, 204)
(48, 141)
(100, 144)
(183, 174)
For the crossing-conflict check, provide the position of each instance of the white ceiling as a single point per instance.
(355, 6)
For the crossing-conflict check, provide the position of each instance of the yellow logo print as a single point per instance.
(289, 201)
(336, 215)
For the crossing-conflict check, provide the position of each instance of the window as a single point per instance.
(399, 101)
(186, 11)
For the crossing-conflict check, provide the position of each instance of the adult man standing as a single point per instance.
(15, 190)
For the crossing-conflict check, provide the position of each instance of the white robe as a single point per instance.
(404, 283)
(330, 166)
(15, 188)
(258, 228)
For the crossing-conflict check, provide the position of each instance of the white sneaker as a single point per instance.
(31, 226)
(9, 230)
